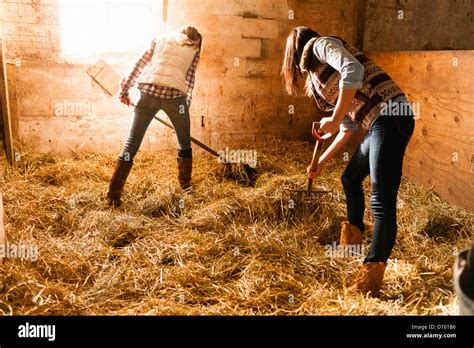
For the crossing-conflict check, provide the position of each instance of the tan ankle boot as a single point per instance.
(350, 234)
(369, 279)
(185, 168)
(121, 172)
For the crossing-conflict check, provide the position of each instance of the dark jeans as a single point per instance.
(380, 154)
(147, 107)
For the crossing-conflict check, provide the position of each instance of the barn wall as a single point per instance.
(246, 102)
(232, 103)
(411, 25)
(441, 152)
(329, 17)
(251, 30)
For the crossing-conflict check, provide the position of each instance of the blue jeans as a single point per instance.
(146, 108)
(380, 154)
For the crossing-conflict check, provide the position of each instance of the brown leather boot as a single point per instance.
(369, 279)
(185, 168)
(122, 169)
(350, 234)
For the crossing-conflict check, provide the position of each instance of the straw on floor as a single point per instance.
(224, 249)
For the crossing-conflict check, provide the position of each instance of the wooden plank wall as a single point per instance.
(441, 152)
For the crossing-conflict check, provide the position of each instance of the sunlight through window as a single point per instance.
(91, 27)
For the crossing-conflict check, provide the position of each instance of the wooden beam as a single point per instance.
(5, 101)
(359, 25)
(3, 233)
(11, 82)
(165, 10)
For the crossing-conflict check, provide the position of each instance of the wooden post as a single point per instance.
(11, 83)
(5, 101)
(359, 25)
(3, 234)
(165, 10)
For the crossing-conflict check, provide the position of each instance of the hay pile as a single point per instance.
(229, 249)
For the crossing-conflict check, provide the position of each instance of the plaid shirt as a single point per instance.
(162, 92)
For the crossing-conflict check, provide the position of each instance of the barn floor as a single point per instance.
(232, 250)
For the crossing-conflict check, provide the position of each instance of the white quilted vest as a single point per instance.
(170, 63)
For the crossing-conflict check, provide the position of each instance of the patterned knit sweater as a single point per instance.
(323, 84)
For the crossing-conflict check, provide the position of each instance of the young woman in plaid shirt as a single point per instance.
(165, 75)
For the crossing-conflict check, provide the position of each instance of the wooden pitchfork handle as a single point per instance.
(316, 152)
(195, 141)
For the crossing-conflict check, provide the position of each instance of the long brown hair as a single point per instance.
(294, 48)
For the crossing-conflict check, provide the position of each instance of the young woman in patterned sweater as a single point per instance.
(359, 94)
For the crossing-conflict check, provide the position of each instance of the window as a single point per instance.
(92, 27)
